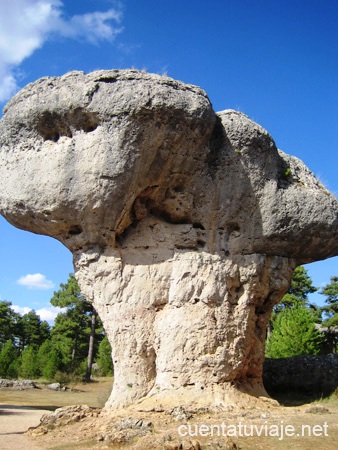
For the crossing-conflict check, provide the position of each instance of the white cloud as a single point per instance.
(92, 27)
(25, 25)
(35, 281)
(8, 83)
(48, 313)
(21, 309)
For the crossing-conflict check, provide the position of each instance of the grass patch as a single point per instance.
(93, 394)
(332, 400)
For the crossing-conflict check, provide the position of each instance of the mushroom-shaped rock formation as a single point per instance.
(185, 225)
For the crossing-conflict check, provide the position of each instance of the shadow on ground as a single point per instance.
(298, 398)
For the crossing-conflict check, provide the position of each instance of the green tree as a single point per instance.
(297, 295)
(76, 328)
(300, 288)
(32, 330)
(29, 367)
(331, 308)
(65, 338)
(44, 331)
(9, 360)
(8, 322)
(104, 359)
(49, 360)
(294, 333)
(301, 284)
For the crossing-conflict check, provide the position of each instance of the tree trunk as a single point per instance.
(91, 347)
(73, 353)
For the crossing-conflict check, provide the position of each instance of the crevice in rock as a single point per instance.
(198, 225)
(284, 175)
(235, 292)
(160, 304)
(201, 243)
(216, 145)
(110, 79)
(53, 125)
(121, 237)
(233, 227)
(75, 230)
(188, 246)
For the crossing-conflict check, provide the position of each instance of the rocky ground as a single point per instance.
(80, 427)
(151, 425)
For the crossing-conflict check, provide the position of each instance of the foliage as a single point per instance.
(104, 359)
(29, 348)
(65, 378)
(8, 322)
(300, 287)
(49, 360)
(69, 295)
(29, 367)
(294, 319)
(72, 328)
(32, 331)
(331, 308)
(301, 284)
(294, 333)
(9, 363)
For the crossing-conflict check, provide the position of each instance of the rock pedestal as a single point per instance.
(185, 225)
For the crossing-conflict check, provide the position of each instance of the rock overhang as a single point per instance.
(92, 146)
(112, 146)
(185, 224)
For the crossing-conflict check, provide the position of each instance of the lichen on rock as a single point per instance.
(185, 224)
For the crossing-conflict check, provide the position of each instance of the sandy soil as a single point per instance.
(14, 422)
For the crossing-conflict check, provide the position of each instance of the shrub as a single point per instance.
(294, 333)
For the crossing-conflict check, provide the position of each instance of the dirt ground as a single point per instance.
(14, 422)
(260, 424)
(20, 410)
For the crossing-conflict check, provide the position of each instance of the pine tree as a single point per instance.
(331, 309)
(9, 360)
(297, 295)
(49, 360)
(29, 367)
(294, 333)
(104, 359)
(75, 330)
(301, 284)
(300, 288)
(8, 322)
(32, 330)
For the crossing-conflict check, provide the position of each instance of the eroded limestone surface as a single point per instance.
(185, 225)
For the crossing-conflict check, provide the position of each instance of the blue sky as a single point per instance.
(274, 60)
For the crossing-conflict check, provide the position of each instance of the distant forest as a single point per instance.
(70, 349)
